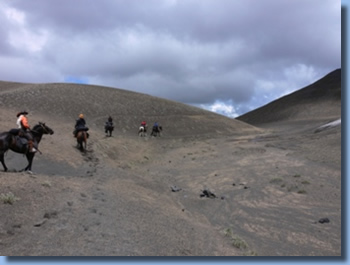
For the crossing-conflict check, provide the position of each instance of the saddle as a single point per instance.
(19, 140)
(109, 125)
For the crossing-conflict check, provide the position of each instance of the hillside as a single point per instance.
(66, 101)
(209, 186)
(320, 100)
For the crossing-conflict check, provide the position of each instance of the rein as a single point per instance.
(42, 128)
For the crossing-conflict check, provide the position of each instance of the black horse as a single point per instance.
(156, 130)
(82, 140)
(109, 128)
(8, 140)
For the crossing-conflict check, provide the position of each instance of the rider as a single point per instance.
(80, 125)
(22, 122)
(156, 127)
(144, 125)
(109, 123)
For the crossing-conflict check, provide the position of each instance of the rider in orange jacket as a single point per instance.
(23, 125)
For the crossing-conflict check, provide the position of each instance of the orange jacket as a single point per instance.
(24, 122)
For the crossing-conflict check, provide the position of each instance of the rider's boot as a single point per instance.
(31, 146)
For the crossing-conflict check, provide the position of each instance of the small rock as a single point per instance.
(40, 223)
(51, 214)
(323, 220)
(207, 193)
(175, 189)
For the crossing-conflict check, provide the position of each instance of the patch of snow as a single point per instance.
(328, 125)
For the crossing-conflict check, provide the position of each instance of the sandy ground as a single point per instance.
(272, 185)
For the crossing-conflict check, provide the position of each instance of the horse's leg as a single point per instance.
(84, 140)
(30, 157)
(80, 145)
(3, 161)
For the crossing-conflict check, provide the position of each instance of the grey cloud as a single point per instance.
(242, 52)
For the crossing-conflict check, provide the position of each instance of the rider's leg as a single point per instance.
(30, 143)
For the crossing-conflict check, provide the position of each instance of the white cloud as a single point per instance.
(226, 109)
(14, 15)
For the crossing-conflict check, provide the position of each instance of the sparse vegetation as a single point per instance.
(276, 180)
(236, 241)
(297, 176)
(292, 188)
(228, 232)
(305, 182)
(239, 243)
(301, 191)
(8, 198)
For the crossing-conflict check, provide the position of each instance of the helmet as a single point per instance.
(81, 116)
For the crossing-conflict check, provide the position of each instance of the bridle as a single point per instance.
(44, 128)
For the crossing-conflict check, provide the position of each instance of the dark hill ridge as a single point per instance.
(320, 99)
(66, 101)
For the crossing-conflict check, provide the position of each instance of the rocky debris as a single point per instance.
(175, 189)
(40, 223)
(323, 220)
(47, 216)
(207, 193)
(241, 184)
(51, 214)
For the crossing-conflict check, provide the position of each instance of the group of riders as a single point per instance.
(80, 125)
(155, 129)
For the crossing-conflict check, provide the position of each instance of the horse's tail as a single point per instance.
(84, 136)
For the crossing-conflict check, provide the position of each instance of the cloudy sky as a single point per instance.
(228, 56)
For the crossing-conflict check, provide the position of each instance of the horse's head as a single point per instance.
(44, 128)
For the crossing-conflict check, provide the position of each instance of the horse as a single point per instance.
(109, 129)
(8, 140)
(82, 140)
(142, 131)
(156, 131)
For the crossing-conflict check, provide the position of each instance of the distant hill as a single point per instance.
(65, 102)
(320, 100)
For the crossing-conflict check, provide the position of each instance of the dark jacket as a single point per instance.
(80, 123)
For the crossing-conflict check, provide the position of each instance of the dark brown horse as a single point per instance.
(156, 131)
(109, 129)
(82, 140)
(13, 142)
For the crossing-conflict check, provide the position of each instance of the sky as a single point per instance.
(58, 43)
(226, 56)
